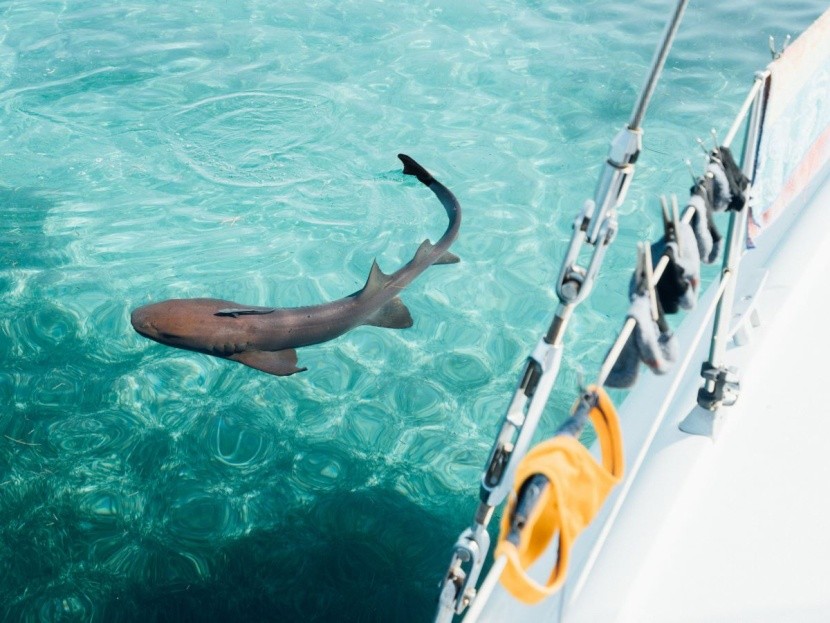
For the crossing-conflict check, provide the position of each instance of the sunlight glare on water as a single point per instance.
(246, 151)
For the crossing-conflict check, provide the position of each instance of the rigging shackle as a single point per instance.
(575, 282)
(468, 556)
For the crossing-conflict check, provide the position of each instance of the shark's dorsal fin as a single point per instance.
(235, 312)
(377, 280)
(393, 315)
(423, 250)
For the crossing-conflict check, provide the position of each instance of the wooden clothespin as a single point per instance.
(716, 148)
(689, 166)
(645, 272)
(671, 220)
(776, 53)
(675, 218)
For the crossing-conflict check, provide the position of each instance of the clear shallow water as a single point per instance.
(247, 151)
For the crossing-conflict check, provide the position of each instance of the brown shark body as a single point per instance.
(266, 338)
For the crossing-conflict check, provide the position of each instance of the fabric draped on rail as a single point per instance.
(577, 487)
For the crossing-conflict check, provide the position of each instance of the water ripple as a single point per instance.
(197, 518)
(372, 428)
(63, 602)
(151, 452)
(422, 400)
(465, 370)
(61, 389)
(232, 441)
(108, 333)
(327, 469)
(251, 139)
(46, 329)
(98, 434)
(154, 566)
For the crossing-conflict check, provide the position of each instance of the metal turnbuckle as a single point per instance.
(616, 176)
(596, 225)
(520, 422)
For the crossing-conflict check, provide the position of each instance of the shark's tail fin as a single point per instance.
(451, 205)
(410, 167)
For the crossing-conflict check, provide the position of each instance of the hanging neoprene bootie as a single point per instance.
(721, 196)
(730, 183)
(678, 285)
(737, 182)
(706, 233)
(656, 344)
(626, 369)
(651, 341)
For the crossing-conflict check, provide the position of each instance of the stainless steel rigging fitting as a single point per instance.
(468, 556)
(520, 422)
(575, 282)
(596, 225)
(721, 387)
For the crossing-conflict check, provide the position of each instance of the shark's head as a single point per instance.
(183, 323)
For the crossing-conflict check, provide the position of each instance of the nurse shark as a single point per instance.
(266, 338)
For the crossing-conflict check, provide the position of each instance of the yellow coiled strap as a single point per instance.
(578, 486)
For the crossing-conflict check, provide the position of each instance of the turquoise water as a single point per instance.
(247, 151)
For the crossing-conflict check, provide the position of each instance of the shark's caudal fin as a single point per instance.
(410, 167)
(278, 363)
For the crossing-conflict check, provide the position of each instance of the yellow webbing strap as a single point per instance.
(578, 486)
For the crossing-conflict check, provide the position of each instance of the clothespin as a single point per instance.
(669, 226)
(692, 171)
(645, 275)
(716, 148)
(776, 53)
(675, 219)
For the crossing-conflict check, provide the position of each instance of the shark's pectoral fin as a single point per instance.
(393, 315)
(279, 363)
